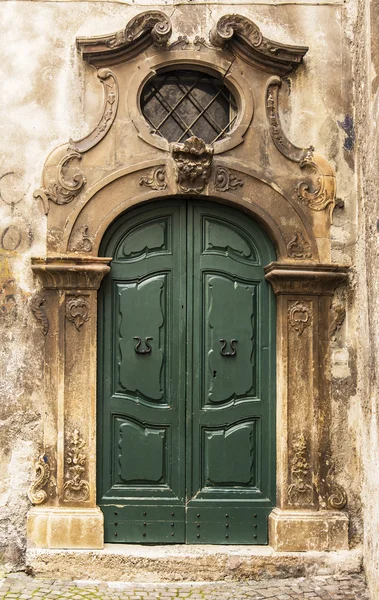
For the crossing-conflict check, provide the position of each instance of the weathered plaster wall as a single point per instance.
(44, 104)
(367, 118)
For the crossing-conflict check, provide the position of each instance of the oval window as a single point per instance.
(179, 104)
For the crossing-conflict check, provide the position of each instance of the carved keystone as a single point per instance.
(193, 162)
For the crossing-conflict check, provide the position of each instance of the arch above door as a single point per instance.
(121, 163)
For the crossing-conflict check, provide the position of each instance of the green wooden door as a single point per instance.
(186, 385)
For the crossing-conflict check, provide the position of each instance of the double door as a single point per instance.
(186, 413)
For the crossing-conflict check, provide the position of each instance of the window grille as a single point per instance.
(180, 104)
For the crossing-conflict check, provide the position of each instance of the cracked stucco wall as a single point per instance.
(44, 103)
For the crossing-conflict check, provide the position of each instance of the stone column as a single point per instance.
(65, 514)
(308, 514)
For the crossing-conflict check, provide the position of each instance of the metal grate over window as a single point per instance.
(180, 104)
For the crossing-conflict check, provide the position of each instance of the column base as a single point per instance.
(65, 528)
(300, 531)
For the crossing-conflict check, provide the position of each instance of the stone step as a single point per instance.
(122, 562)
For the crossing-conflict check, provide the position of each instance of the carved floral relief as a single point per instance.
(298, 247)
(84, 242)
(76, 489)
(156, 179)
(300, 491)
(224, 180)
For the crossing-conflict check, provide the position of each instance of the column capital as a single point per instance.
(305, 279)
(71, 272)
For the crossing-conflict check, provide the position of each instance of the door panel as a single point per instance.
(186, 377)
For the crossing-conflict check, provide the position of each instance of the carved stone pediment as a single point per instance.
(145, 29)
(245, 38)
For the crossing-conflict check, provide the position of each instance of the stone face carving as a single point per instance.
(300, 492)
(298, 247)
(156, 179)
(300, 317)
(149, 27)
(37, 306)
(319, 191)
(338, 314)
(36, 493)
(193, 161)
(109, 81)
(248, 41)
(224, 180)
(336, 495)
(63, 190)
(280, 140)
(77, 310)
(75, 488)
(84, 243)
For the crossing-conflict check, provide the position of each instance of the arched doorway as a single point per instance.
(186, 377)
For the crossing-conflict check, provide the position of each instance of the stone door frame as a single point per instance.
(294, 205)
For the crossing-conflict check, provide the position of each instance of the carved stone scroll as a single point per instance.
(298, 247)
(248, 40)
(338, 314)
(194, 162)
(279, 138)
(300, 492)
(63, 190)
(156, 179)
(109, 81)
(150, 27)
(75, 488)
(300, 317)
(336, 495)
(77, 310)
(225, 180)
(36, 493)
(37, 306)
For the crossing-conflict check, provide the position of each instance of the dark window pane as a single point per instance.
(180, 104)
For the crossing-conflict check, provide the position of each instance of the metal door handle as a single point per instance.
(233, 351)
(138, 344)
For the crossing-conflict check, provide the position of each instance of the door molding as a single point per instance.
(290, 191)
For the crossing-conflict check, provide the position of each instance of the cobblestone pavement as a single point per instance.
(316, 588)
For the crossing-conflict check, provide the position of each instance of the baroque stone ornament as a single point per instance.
(75, 488)
(150, 27)
(37, 306)
(36, 493)
(338, 314)
(249, 43)
(224, 180)
(300, 492)
(63, 190)
(111, 95)
(300, 317)
(84, 243)
(193, 161)
(77, 310)
(156, 179)
(278, 137)
(320, 191)
(298, 247)
(336, 494)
